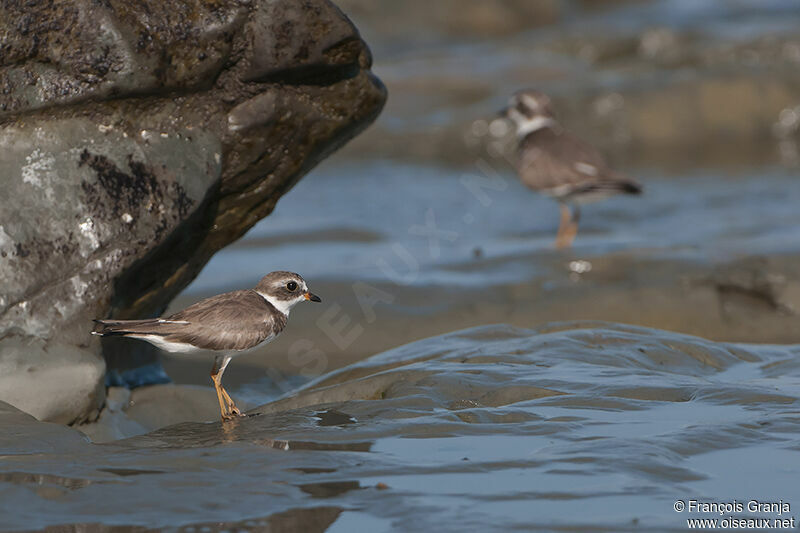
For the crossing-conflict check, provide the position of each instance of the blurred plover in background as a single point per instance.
(221, 326)
(556, 163)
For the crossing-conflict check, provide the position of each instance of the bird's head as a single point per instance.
(530, 111)
(284, 289)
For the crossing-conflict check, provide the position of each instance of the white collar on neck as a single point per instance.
(284, 306)
(534, 124)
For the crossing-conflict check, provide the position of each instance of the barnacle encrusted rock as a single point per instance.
(136, 140)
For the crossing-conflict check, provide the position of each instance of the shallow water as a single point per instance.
(357, 217)
(588, 426)
(424, 207)
(709, 253)
(567, 426)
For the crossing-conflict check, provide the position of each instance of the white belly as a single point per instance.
(182, 348)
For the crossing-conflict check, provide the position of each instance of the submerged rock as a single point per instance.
(135, 142)
(144, 409)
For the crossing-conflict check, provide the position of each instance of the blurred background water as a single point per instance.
(697, 99)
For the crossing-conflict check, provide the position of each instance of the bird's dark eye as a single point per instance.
(292, 286)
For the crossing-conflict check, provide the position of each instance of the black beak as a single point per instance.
(503, 113)
(312, 297)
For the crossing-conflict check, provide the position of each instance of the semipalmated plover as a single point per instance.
(221, 326)
(558, 164)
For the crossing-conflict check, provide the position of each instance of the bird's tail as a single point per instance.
(624, 184)
(607, 188)
(629, 186)
(109, 328)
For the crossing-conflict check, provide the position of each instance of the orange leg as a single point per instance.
(222, 406)
(567, 227)
(231, 406)
(227, 408)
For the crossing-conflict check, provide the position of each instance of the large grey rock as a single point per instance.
(136, 140)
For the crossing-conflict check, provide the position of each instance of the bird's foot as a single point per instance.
(232, 412)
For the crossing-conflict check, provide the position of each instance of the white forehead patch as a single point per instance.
(530, 102)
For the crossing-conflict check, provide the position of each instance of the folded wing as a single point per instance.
(232, 321)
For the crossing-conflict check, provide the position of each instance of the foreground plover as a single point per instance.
(558, 164)
(221, 326)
